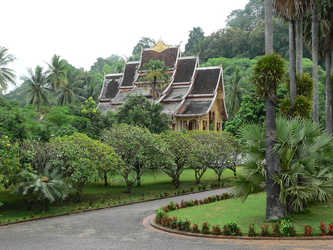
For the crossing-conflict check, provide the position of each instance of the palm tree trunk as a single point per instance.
(274, 209)
(315, 21)
(328, 92)
(299, 45)
(292, 61)
(268, 27)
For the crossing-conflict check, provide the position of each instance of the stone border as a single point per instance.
(191, 234)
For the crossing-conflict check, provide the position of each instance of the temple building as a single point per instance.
(194, 97)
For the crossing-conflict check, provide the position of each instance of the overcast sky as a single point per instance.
(80, 31)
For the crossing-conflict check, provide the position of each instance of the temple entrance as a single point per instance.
(193, 125)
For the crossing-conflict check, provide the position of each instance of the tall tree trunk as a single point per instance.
(328, 92)
(292, 61)
(274, 209)
(268, 26)
(315, 21)
(299, 45)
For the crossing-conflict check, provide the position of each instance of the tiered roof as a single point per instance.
(191, 91)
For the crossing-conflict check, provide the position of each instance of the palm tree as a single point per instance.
(157, 75)
(268, 26)
(267, 74)
(292, 11)
(66, 95)
(315, 35)
(36, 82)
(235, 90)
(6, 75)
(305, 154)
(57, 72)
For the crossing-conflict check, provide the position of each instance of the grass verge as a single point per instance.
(96, 195)
(252, 211)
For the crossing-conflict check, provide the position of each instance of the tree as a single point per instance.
(304, 153)
(144, 43)
(66, 95)
(235, 89)
(157, 75)
(57, 72)
(36, 82)
(10, 165)
(139, 149)
(6, 75)
(193, 45)
(267, 74)
(181, 146)
(139, 111)
(80, 159)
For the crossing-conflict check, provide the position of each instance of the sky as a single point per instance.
(80, 31)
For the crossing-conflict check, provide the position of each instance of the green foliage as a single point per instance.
(6, 74)
(139, 149)
(302, 107)
(139, 111)
(252, 110)
(45, 187)
(10, 164)
(81, 157)
(57, 72)
(304, 152)
(193, 46)
(268, 73)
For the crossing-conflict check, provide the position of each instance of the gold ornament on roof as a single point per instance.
(160, 46)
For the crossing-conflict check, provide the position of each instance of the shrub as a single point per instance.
(322, 228)
(308, 230)
(276, 230)
(205, 228)
(265, 230)
(216, 230)
(184, 225)
(231, 229)
(251, 231)
(195, 228)
(288, 229)
(330, 229)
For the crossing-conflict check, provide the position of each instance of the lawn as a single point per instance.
(252, 211)
(96, 195)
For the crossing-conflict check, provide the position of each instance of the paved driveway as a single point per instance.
(123, 228)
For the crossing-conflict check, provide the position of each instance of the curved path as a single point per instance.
(123, 228)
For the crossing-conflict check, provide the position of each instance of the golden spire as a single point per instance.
(160, 46)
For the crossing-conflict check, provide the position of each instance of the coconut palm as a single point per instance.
(267, 74)
(67, 95)
(6, 75)
(36, 82)
(234, 87)
(57, 72)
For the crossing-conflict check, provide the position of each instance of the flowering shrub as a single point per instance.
(231, 229)
(322, 228)
(195, 228)
(216, 230)
(184, 225)
(330, 229)
(308, 230)
(252, 231)
(276, 230)
(205, 228)
(265, 230)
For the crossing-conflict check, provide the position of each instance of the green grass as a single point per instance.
(252, 211)
(97, 195)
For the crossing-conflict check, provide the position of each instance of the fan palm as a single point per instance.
(36, 82)
(305, 155)
(6, 75)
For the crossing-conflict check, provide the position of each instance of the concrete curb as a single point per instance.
(190, 234)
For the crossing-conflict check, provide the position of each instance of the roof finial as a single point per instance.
(160, 46)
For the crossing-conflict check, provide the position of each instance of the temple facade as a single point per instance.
(194, 97)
